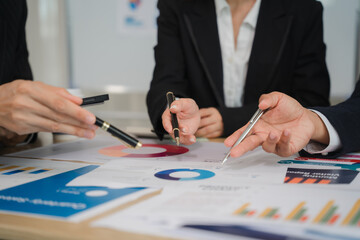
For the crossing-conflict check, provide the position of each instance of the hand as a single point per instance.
(211, 124)
(10, 139)
(188, 117)
(284, 129)
(28, 107)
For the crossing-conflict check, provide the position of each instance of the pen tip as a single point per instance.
(177, 141)
(138, 145)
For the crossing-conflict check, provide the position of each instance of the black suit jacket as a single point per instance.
(288, 55)
(14, 62)
(345, 118)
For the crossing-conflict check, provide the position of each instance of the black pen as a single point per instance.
(95, 100)
(174, 122)
(124, 137)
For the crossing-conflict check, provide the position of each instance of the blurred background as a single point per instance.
(97, 47)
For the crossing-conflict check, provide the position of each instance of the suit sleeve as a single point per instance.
(22, 68)
(169, 72)
(345, 118)
(311, 82)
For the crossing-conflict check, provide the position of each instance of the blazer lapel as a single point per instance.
(272, 30)
(200, 19)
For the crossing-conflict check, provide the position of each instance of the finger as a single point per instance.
(208, 130)
(229, 141)
(205, 112)
(270, 144)
(214, 134)
(269, 100)
(283, 147)
(249, 143)
(188, 139)
(184, 106)
(47, 125)
(34, 108)
(54, 99)
(166, 121)
(206, 121)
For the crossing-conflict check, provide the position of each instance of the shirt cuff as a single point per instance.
(334, 144)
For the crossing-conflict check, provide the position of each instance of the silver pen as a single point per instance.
(252, 122)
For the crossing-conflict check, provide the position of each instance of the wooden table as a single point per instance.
(26, 227)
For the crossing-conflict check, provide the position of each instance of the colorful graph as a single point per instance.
(319, 176)
(166, 174)
(353, 217)
(328, 214)
(118, 151)
(5, 170)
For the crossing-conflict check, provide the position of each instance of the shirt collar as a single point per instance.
(250, 19)
(252, 16)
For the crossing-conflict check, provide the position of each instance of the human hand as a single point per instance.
(28, 107)
(211, 124)
(10, 139)
(188, 117)
(284, 129)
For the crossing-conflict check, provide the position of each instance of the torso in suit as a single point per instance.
(288, 55)
(14, 62)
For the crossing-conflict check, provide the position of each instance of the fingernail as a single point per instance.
(90, 119)
(183, 130)
(173, 107)
(192, 140)
(272, 136)
(93, 127)
(88, 134)
(286, 133)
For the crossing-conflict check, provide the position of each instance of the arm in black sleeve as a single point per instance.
(345, 118)
(169, 72)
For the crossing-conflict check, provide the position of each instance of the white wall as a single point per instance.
(46, 39)
(101, 55)
(340, 34)
(104, 57)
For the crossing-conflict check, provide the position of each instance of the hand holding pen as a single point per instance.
(115, 132)
(188, 117)
(285, 129)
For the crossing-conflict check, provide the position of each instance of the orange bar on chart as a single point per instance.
(8, 168)
(310, 181)
(295, 180)
(324, 182)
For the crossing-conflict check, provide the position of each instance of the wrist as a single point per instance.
(320, 133)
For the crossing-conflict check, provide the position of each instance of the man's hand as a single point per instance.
(188, 117)
(28, 107)
(10, 139)
(284, 129)
(211, 124)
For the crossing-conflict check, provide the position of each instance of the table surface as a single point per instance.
(26, 227)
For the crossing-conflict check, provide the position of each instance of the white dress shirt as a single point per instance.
(334, 144)
(235, 61)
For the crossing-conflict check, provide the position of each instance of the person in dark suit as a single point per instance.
(287, 128)
(284, 52)
(25, 106)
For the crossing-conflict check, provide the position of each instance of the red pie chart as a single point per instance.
(164, 150)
